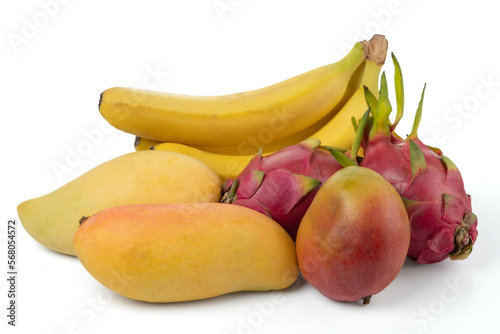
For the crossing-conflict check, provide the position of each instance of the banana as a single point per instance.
(142, 144)
(267, 144)
(336, 132)
(366, 75)
(264, 140)
(277, 111)
(335, 129)
(225, 166)
(339, 131)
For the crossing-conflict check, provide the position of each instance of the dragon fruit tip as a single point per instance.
(307, 183)
(464, 240)
(311, 143)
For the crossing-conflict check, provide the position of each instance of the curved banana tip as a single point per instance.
(376, 48)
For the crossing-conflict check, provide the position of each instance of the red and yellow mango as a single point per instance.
(182, 252)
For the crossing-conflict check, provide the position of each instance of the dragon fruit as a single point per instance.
(439, 209)
(283, 184)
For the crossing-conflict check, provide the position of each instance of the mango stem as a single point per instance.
(366, 300)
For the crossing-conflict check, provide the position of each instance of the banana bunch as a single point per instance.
(226, 131)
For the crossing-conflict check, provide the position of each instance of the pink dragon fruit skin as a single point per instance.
(441, 180)
(283, 184)
(442, 223)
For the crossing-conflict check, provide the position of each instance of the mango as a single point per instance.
(134, 178)
(181, 252)
(352, 241)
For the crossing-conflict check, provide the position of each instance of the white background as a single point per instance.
(50, 85)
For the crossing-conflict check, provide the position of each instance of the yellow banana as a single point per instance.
(267, 144)
(339, 131)
(336, 127)
(279, 110)
(333, 131)
(225, 166)
(264, 140)
(142, 144)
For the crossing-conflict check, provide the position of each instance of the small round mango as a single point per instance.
(353, 239)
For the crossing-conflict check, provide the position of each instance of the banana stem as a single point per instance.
(376, 48)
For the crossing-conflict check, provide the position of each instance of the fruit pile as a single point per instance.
(243, 192)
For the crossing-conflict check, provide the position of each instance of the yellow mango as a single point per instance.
(135, 178)
(181, 252)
